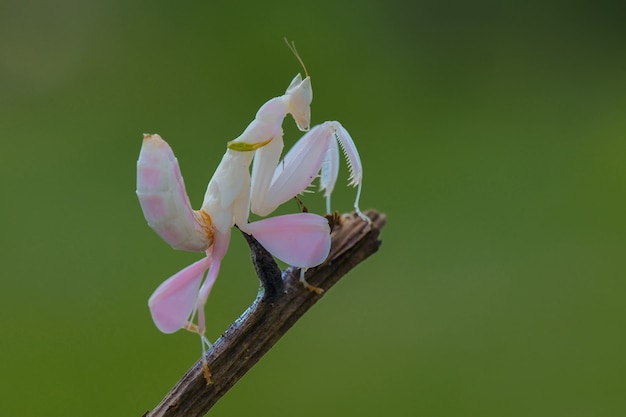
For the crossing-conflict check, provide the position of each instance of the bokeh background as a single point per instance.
(492, 135)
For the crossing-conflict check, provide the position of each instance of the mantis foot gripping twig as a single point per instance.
(206, 346)
(312, 288)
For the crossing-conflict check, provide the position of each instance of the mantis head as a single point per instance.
(300, 95)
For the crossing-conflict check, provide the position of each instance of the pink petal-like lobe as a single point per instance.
(173, 301)
(301, 239)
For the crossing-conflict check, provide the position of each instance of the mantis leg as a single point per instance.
(218, 251)
(316, 152)
(178, 299)
(265, 162)
(173, 302)
(301, 239)
(293, 174)
(354, 163)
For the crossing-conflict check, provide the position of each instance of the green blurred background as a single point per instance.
(492, 135)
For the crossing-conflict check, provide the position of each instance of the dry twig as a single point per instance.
(281, 301)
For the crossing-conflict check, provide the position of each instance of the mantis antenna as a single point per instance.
(292, 48)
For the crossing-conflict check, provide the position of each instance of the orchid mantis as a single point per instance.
(301, 239)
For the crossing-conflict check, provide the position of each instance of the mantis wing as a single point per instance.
(173, 301)
(301, 239)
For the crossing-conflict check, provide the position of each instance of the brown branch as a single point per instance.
(281, 301)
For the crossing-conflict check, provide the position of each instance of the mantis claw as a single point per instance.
(206, 372)
(206, 346)
(312, 288)
(363, 217)
(358, 211)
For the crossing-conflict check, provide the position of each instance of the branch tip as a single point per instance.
(280, 303)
